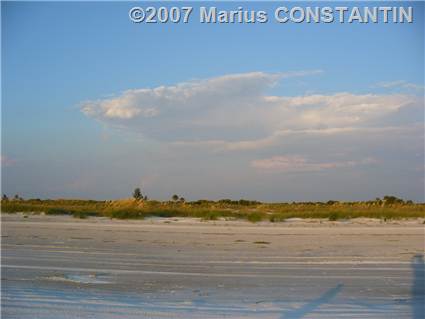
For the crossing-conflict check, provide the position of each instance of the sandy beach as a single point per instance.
(62, 267)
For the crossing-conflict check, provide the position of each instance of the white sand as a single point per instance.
(61, 267)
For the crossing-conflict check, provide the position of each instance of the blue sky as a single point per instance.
(95, 105)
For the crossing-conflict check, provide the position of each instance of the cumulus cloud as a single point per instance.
(343, 109)
(235, 112)
(302, 164)
(225, 105)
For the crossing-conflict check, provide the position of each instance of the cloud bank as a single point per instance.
(237, 110)
(236, 113)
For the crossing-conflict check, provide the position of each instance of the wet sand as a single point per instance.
(61, 267)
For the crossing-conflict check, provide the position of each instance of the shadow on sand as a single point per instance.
(418, 287)
(417, 300)
(313, 305)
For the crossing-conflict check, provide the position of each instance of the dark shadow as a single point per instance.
(312, 305)
(418, 287)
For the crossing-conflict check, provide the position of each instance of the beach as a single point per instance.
(64, 267)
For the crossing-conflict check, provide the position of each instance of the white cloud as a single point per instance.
(198, 94)
(234, 112)
(276, 137)
(399, 84)
(342, 109)
(301, 164)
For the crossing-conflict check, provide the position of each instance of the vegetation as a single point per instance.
(139, 207)
(137, 194)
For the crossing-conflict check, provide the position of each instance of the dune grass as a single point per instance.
(213, 210)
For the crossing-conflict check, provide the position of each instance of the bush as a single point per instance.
(334, 216)
(276, 218)
(211, 216)
(83, 214)
(126, 214)
(255, 217)
(58, 211)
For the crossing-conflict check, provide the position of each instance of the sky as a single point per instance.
(94, 105)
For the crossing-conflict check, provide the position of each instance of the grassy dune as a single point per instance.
(212, 210)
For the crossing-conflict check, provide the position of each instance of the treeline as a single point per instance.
(388, 200)
(138, 196)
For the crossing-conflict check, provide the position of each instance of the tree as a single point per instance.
(4, 197)
(182, 200)
(175, 197)
(392, 200)
(137, 194)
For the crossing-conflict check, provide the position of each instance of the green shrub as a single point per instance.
(276, 218)
(211, 216)
(254, 217)
(334, 216)
(59, 211)
(126, 214)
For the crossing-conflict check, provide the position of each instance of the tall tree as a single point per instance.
(137, 194)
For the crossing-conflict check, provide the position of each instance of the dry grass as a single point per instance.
(212, 210)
